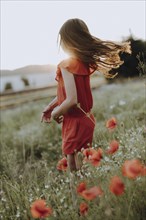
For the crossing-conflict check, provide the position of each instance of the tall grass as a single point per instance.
(30, 151)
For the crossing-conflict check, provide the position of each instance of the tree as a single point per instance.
(8, 86)
(25, 81)
(131, 66)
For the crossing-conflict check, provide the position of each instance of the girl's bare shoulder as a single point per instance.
(69, 64)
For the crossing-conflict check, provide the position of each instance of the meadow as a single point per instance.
(30, 151)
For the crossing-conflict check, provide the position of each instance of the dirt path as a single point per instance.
(14, 99)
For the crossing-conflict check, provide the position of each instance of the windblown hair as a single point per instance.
(97, 54)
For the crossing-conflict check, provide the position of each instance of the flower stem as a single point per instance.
(130, 204)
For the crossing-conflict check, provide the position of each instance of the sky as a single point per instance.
(29, 29)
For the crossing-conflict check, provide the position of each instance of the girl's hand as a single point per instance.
(57, 118)
(46, 115)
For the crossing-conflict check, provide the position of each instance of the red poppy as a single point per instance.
(114, 146)
(62, 164)
(132, 168)
(88, 152)
(92, 193)
(39, 209)
(99, 191)
(111, 123)
(81, 187)
(116, 186)
(83, 208)
(96, 157)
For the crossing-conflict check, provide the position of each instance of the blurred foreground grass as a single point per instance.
(30, 151)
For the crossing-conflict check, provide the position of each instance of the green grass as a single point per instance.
(30, 151)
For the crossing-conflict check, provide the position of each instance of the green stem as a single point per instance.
(130, 203)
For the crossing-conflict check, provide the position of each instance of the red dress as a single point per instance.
(77, 128)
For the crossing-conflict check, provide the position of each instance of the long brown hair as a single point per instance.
(97, 54)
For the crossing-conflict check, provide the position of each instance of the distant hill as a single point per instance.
(30, 69)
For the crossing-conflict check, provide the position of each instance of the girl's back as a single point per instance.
(82, 80)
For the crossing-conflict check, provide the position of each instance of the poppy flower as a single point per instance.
(81, 187)
(88, 152)
(114, 146)
(62, 164)
(99, 191)
(92, 193)
(83, 208)
(132, 168)
(111, 123)
(96, 157)
(39, 209)
(116, 186)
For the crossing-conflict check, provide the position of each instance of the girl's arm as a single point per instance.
(51, 105)
(71, 95)
(46, 114)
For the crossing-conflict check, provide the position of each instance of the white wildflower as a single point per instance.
(112, 106)
(82, 149)
(62, 199)
(46, 186)
(67, 179)
(30, 198)
(65, 205)
(122, 102)
(106, 159)
(3, 199)
(18, 215)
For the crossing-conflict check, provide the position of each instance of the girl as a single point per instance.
(73, 103)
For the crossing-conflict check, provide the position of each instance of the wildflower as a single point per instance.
(88, 152)
(108, 211)
(112, 106)
(93, 156)
(39, 209)
(96, 157)
(111, 123)
(83, 208)
(116, 186)
(81, 187)
(99, 191)
(122, 102)
(62, 164)
(92, 193)
(132, 168)
(114, 146)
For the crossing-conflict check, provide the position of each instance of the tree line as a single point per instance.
(135, 63)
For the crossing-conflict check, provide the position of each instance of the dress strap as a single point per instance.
(86, 113)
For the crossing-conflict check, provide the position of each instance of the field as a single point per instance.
(30, 151)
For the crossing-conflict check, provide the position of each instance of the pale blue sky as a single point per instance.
(29, 28)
